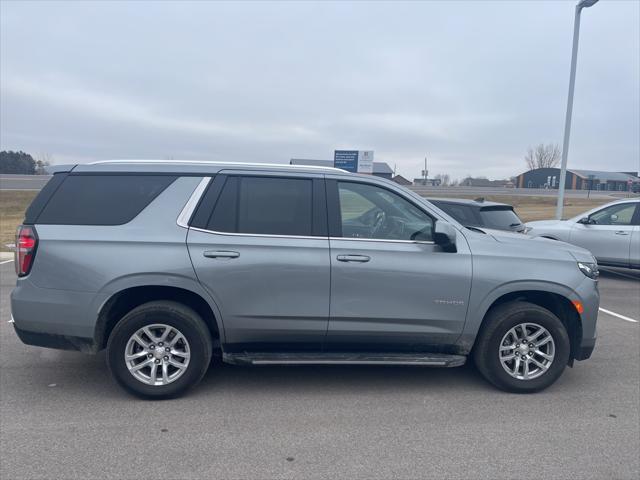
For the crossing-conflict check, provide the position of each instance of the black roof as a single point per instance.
(467, 201)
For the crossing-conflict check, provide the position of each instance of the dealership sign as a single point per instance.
(356, 161)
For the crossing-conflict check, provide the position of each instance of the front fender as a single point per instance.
(477, 313)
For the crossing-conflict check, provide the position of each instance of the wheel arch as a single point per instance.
(557, 302)
(129, 297)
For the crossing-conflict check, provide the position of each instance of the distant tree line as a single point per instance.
(21, 163)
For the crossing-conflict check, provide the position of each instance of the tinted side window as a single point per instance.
(31, 215)
(372, 212)
(102, 199)
(264, 205)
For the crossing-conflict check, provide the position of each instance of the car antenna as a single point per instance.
(479, 199)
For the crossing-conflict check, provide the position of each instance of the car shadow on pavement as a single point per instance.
(87, 376)
(338, 379)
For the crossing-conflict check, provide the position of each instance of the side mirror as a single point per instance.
(585, 221)
(444, 235)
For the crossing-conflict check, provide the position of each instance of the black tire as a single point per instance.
(174, 314)
(498, 322)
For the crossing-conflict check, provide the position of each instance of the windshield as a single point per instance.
(500, 218)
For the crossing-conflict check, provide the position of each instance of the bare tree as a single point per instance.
(543, 156)
(43, 160)
(444, 178)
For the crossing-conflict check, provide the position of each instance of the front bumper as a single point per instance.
(586, 349)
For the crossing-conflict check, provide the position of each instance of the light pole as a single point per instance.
(567, 121)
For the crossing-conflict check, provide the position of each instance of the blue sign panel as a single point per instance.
(346, 160)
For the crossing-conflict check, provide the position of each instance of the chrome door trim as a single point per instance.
(269, 235)
(190, 206)
(261, 235)
(425, 242)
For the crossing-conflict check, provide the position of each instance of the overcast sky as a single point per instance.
(470, 84)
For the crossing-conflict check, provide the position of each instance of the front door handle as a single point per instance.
(220, 254)
(621, 232)
(354, 258)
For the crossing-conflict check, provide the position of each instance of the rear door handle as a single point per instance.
(220, 254)
(354, 258)
(622, 232)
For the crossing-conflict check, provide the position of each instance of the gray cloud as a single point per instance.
(470, 84)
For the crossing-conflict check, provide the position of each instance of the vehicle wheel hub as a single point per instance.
(527, 351)
(157, 354)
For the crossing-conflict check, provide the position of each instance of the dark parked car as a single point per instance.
(480, 213)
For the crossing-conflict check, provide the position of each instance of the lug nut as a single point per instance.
(157, 361)
(160, 344)
(152, 346)
(167, 349)
(149, 356)
(166, 357)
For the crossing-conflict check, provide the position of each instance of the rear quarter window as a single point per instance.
(462, 213)
(102, 199)
(502, 218)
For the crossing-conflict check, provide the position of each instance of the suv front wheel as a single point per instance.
(159, 350)
(522, 347)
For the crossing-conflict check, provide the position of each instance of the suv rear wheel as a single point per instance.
(159, 350)
(522, 347)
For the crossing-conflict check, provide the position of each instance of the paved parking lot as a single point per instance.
(63, 417)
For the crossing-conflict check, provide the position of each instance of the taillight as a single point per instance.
(26, 245)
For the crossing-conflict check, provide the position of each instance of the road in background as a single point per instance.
(524, 192)
(23, 182)
(63, 417)
(36, 182)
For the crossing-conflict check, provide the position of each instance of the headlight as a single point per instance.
(589, 269)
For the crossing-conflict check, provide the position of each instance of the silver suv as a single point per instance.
(166, 264)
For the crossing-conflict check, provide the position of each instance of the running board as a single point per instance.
(417, 359)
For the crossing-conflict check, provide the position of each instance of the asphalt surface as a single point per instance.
(63, 417)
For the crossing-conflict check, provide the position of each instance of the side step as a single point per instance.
(417, 359)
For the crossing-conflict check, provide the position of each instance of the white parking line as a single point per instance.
(614, 314)
(6, 261)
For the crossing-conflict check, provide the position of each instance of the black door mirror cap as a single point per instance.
(444, 235)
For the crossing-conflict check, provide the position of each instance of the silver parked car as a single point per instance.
(165, 264)
(611, 232)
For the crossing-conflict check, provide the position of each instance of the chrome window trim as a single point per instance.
(308, 237)
(190, 206)
(426, 242)
(267, 235)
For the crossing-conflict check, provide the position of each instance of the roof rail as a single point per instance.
(208, 162)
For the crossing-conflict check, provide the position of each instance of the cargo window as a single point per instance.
(102, 199)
